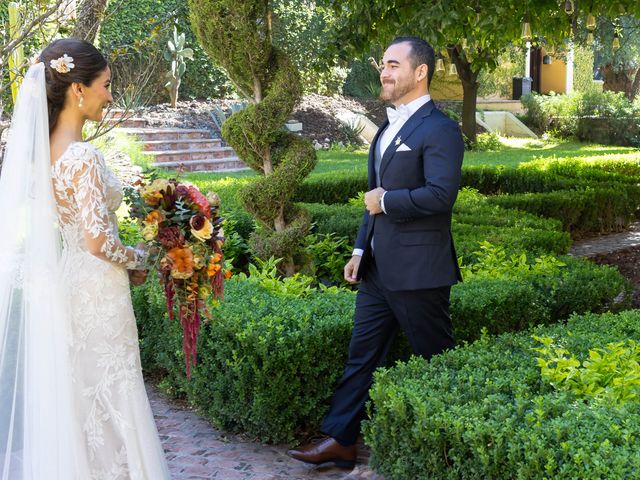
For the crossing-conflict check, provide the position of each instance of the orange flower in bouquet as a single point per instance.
(183, 226)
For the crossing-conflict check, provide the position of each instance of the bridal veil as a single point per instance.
(36, 405)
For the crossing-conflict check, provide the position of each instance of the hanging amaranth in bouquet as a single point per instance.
(183, 229)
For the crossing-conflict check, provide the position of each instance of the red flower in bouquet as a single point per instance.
(200, 200)
(171, 237)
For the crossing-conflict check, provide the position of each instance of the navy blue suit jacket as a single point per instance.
(412, 241)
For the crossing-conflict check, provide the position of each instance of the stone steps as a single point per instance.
(170, 156)
(128, 122)
(154, 134)
(226, 164)
(188, 149)
(180, 144)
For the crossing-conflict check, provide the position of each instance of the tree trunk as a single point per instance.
(469, 102)
(635, 87)
(470, 86)
(619, 81)
(89, 18)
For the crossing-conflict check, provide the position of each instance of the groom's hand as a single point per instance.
(137, 277)
(351, 269)
(372, 200)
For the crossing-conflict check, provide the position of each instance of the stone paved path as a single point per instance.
(607, 243)
(196, 451)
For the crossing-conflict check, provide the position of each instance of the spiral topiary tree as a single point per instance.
(238, 35)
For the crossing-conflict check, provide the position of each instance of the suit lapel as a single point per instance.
(372, 155)
(410, 125)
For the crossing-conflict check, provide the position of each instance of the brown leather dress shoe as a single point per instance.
(327, 450)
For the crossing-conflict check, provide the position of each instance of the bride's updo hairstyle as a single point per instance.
(87, 61)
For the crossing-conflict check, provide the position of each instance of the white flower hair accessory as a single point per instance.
(62, 64)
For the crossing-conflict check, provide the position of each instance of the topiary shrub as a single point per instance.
(238, 35)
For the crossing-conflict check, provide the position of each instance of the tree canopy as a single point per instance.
(471, 34)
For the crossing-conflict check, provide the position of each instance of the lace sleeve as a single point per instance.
(88, 171)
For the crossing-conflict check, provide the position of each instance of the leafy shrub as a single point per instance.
(597, 116)
(603, 170)
(265, 274)
(468, 239)
(554, 113)
(329, 254)
(487, 142)
(593, 210)
(535, 291)
(269, 360)
(130, 21)
(340, 220)
(267, 364)
(483, 411)
(494, 261)
(363, 80)
(610, 375)
(491, 180)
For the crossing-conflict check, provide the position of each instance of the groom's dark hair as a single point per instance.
(421, 53)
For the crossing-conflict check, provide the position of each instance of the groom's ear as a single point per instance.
(421, 72)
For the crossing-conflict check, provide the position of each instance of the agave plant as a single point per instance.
(176, 54)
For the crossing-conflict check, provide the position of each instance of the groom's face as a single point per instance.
(398, 77)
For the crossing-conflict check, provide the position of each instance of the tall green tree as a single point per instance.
(471, 33)
(238, 34)
(620, 67)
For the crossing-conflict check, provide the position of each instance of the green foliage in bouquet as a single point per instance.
(238, 35)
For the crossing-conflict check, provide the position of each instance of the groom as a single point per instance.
(404, 252)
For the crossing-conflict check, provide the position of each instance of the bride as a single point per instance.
(72, 400)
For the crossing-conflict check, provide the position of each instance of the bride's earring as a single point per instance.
(81, 101)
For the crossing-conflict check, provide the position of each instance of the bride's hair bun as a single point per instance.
(88, 64)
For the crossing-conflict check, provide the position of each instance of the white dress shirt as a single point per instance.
(385, 138)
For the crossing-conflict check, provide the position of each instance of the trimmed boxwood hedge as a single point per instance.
(472, 223)
(267, 364)
(483, 411)
(332, 187)
(592, 210)
(550, 175)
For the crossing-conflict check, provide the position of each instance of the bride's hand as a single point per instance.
(150, 251)
(137, 277)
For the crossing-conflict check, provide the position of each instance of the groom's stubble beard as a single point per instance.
(397, 89)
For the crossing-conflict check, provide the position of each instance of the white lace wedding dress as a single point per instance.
(118, 436)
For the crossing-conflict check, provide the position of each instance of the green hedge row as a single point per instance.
(536, 176)
(592, 210)
(483, 411)
(267, 364)
(474, 222)
(332, 187)
(513, 303)
(549, 175)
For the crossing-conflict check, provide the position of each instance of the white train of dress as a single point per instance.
(118, 435)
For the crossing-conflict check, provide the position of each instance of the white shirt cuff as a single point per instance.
(382, 202)
(357, 252)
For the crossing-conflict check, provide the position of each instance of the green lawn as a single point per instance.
(514, 152)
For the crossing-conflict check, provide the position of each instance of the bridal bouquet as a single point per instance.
(183, 230)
